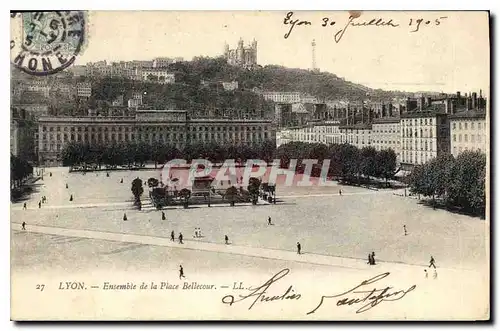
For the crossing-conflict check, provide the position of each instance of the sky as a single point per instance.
(449, 57)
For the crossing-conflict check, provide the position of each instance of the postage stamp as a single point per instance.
(44, 43)
(228, 165)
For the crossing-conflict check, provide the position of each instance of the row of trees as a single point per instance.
(19, 170)
(138, 153)
(458, 182)
(347, 162)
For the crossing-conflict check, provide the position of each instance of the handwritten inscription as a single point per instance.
(261, 293)
(414, 24)
(367, 298)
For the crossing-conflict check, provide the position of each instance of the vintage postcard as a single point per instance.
(250, 165)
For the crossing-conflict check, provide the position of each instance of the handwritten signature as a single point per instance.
(352, 21)
(259, 293)
(359, 294)
(371, 297)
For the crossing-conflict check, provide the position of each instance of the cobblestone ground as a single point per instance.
(351, 225)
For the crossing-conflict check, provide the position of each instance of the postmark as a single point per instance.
(44, 43)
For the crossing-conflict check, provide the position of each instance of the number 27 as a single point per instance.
(40, 287)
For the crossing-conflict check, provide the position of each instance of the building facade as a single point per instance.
(159, 75)
(359, 135)
(148, 126)
(84, 90)
(242, 56)
(424, 136)
(468, 132)
(282, 97)
(386, 134)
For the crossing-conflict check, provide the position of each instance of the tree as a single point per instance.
(253, 189)
(385, 162)
(185, 194)
(367, 162)
(231, 194)
(137, 190)
(467, 184)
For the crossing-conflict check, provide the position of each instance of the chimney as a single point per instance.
(458, 95)
(452, 107)
(429, 101)
(474, 100)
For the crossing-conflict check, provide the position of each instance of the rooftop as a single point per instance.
(480, 114)
(386, 120)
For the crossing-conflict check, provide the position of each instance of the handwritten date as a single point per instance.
(414, 23)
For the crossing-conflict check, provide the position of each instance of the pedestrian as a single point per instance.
(24, 226)
(199, 233)
(195, 233)
(180, 238)
(50, 174)
(172, 236)
(163, 216)
(435, 275)
(181, 272)
(24, 206)
(426, 274)
(124, 216)
(370, 259)
(66, 185)
(404, 228)
(269, 221)
(121, 181)
(299, 247)
(39, 204)
(226, 239)
(340, 192)
(373, 258)
(432, 262)
(71, 197)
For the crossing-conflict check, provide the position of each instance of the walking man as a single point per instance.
(172, 236)
(373, 258)
(432, 262)
(180, 238)
(370, 262)
(426, 274)
(24, 206)
(435, 275)
(24, 226)
(226, 238)
(39, 204)
(299, 247)
(181, 272)
(404, 228)
(269, 221)
(124, 216)
(195, 233)
(66, 185)
(340, 192)
(163, 216)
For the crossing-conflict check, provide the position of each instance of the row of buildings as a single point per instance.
(48, 89)
(173, 127)
(430, 127)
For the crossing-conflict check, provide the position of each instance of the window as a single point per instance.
(460, 126)
(459, 138)
(465, 138)
(454, 137)
(455, 126)
(472, 125)
(465, 125)
(472, 137)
